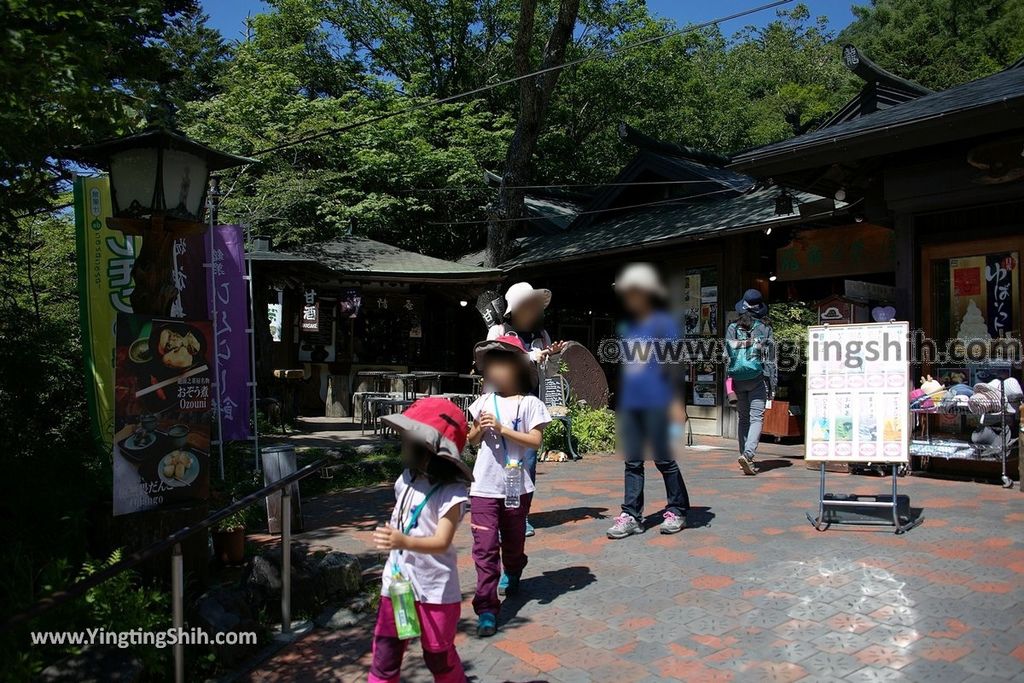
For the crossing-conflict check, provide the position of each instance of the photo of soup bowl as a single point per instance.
(179, 435)
(139, 353)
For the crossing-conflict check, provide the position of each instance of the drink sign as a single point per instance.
(857, 388)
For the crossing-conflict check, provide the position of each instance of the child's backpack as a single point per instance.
(746, 362)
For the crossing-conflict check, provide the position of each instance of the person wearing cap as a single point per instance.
(524, 318)
(508, 425)
(647, 402)
(750, 353)
(430, 502)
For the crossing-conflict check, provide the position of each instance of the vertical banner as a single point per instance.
(163, 406)
(189, 275)
(105, 260)
(232, 305)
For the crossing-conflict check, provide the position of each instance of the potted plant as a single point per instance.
(229, 538)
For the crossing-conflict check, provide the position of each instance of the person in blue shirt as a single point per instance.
(648, 403)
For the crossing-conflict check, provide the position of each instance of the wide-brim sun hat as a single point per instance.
(437, 424)
(752, 303)
(507, 344)
(640, 276)
(521, 292)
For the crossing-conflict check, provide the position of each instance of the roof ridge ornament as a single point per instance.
(857, 62)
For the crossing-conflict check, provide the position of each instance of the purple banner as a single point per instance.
(1000, 277)
(229, 298)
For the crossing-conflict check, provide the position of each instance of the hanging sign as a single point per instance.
(310, 312)
(835, 251)
(857, 388)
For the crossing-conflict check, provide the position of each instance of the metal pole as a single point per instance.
(212, 265)
(895, 501)
(252, 352)
(821, 496)
(286, 559)
(178, 611)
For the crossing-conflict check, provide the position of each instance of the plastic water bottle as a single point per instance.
(513, 483)
(407, 622)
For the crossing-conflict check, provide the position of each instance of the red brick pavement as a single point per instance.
(750, 593)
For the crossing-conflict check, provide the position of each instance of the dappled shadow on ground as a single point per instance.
(774, 464)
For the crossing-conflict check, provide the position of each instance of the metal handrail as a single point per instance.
(173, 543)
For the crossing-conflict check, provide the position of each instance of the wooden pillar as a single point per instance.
(906, 271)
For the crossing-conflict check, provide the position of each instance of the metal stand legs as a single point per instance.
(831, 502)
(178, 611)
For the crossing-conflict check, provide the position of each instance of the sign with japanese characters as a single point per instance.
(105, 261)
(228, 306)
(841, 250)
(857, 387)
(310, 312)
(162, 411)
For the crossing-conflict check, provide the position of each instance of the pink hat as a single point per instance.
(506, 343)
(438, 424)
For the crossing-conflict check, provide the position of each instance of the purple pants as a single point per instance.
(438, 624)
(491, 521)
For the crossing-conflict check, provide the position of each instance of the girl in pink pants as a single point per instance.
(431, 499)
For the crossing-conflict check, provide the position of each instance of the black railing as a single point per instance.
(173, 543)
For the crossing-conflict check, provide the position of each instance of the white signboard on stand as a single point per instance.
(857, 387)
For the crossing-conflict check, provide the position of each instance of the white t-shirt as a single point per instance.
(521, 413)
(435, 578)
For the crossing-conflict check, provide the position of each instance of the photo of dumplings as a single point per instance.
(178, 468)
(177, 351)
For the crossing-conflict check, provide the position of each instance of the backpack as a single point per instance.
(745, 362)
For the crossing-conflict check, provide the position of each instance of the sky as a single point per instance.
(228, 15)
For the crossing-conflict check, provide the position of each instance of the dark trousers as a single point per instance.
(499, 539)
(638, 429)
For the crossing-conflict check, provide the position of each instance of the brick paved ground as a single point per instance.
(750, 593)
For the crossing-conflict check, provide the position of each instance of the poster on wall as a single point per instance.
(857, 387)
(105, 261)
(275, 317)
(163, 408)
(321, 346)
(984, 296)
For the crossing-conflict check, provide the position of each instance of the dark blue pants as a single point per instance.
(638, 429)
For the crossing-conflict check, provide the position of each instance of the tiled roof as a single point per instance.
(359, 256)
(1003, 88)
(650, 227)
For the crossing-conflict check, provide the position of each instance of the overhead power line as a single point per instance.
(597, 54)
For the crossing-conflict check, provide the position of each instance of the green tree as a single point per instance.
(939, 43)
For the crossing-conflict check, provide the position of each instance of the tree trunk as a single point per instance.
(534, 98)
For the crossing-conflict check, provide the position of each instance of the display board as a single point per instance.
(857, 387)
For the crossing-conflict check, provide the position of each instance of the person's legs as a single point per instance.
(742, 413)
(633, 439)
(439, 624)
(676, 496)
(531, 467)
(757, 399)
(512, 524)
(484, 523)
(388, 650)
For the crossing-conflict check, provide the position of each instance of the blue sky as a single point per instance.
(228, 15)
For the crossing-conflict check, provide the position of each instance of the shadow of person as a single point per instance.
(768, 465)
(544, 589)
(553, 518)
(696, 517)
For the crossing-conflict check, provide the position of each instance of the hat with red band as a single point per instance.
(509, 344)
(438, 424)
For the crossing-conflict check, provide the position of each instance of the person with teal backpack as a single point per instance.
(750, 349)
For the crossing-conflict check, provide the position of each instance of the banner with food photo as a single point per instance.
(162, 412)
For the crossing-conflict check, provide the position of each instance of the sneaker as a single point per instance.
(747, 464)
(530, 531)
(625, 525)
(508, 585)
(486, 625)
(673, 523)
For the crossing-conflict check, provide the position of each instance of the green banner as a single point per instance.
(105, 260)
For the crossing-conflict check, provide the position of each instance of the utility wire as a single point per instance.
(603, 54)
(660, 202)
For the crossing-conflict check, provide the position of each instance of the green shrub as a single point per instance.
(593, 430)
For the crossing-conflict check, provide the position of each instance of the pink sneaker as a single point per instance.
(673, 523)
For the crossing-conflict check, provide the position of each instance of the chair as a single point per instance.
(555, 395)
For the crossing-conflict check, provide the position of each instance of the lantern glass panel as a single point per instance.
(133, 176)
(185, 177)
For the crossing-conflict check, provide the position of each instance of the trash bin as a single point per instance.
(279, 461)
